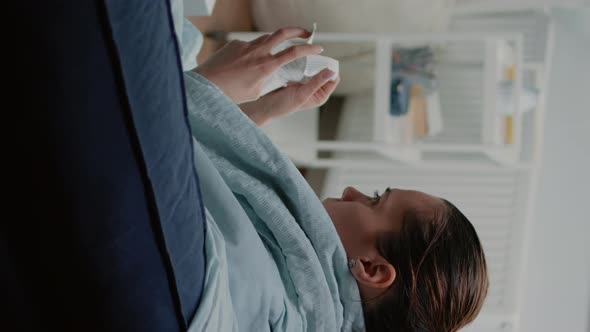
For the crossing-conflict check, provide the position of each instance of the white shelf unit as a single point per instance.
(485, 62)
(379, 138)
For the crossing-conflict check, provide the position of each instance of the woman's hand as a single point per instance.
(239, 69)
(295, 97)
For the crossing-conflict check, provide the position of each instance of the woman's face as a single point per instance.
(360, 219)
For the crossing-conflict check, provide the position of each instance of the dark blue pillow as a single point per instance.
(110, 232)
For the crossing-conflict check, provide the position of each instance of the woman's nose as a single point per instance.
(351, 194)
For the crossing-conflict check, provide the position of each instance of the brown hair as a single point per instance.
(441, 275)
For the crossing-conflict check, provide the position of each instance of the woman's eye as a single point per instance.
(376, 197)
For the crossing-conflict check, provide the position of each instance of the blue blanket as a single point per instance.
(286, 267)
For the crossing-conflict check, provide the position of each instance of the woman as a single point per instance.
(416, 261)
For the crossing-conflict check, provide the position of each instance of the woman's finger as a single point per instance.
(294, 53)
(260, 40)
(326, 90)
(315, 83)
(321, 96)
(285, 34)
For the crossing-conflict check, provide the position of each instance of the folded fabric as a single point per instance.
(291, 237)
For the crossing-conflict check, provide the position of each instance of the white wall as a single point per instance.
(557, 287)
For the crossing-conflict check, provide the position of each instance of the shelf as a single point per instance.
(474, 7)
(414, 154)
(344, 163)
(467, 74)
(470, 84)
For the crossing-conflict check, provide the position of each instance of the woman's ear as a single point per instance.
(373, 272)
